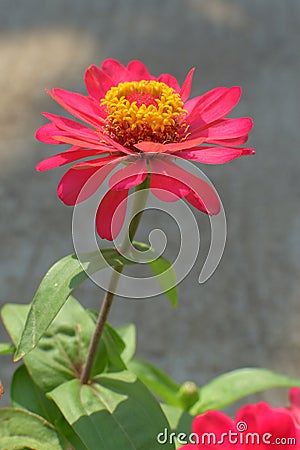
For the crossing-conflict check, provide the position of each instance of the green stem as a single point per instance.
(139, 204)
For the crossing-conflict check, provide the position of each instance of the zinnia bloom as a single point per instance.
(131, 116)
(256, 426)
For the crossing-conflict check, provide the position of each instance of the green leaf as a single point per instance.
(6, 348)
(166, 388)
(55, 288)
(178, 419)
(66, 430)
(21, 429)
(180, 423)
(113, 342)
(124, 337)
(164, 273)
(27, 395)
(232, 386)
(125, 341)
(62, 351)
(128, 335)
(114, 347)
(116, 412)
(14, 317)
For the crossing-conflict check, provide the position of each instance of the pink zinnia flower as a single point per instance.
(130, 115)
(256, 426)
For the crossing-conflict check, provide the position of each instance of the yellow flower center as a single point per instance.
(144, 111)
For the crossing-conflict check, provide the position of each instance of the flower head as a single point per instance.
(146, 110)
(256, 426)
(131, 116)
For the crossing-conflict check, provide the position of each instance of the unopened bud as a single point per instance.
(188, 394)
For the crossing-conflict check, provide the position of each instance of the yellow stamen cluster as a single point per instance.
(144, 110)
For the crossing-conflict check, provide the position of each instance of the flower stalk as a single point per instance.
(138, 207)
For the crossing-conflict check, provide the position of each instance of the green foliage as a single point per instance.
(163, 271)
(116, 396)
(232, 386)
(180, 421)
(116, 411)
(21, 429)
(155, 379)
(217, 393)
(165, 275)
(61, 352)
(27, 395)
(7, 348)
(55, 288)
(52, 409)
(67, 274)
(128, 334)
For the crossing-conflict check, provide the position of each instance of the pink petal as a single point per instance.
(252, 414)
(231, 142)
(71, 126)
(97, 82)
(203, 196)
(87, 143)
(74, 134)
(224, 129)
(132, 175)
(205, 100)
(295, 404)
(188, 143)
(99, 162)
(207, 112)
(138, 71)
(187, 86)
(167, 188)
(196, 201)
(281, 426)
(294, 396)
(261, 418)
(214, 155)
(45, 133)
(294, 409)
(114, 144)
(63, 158)
(191, 104)
(154, 147)
(109, 222)
(215, 423)
(150, 147)
(170, 81)
(74, 180)
(80, 106)
(115, 70)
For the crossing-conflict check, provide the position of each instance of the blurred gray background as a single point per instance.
(248, 313)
